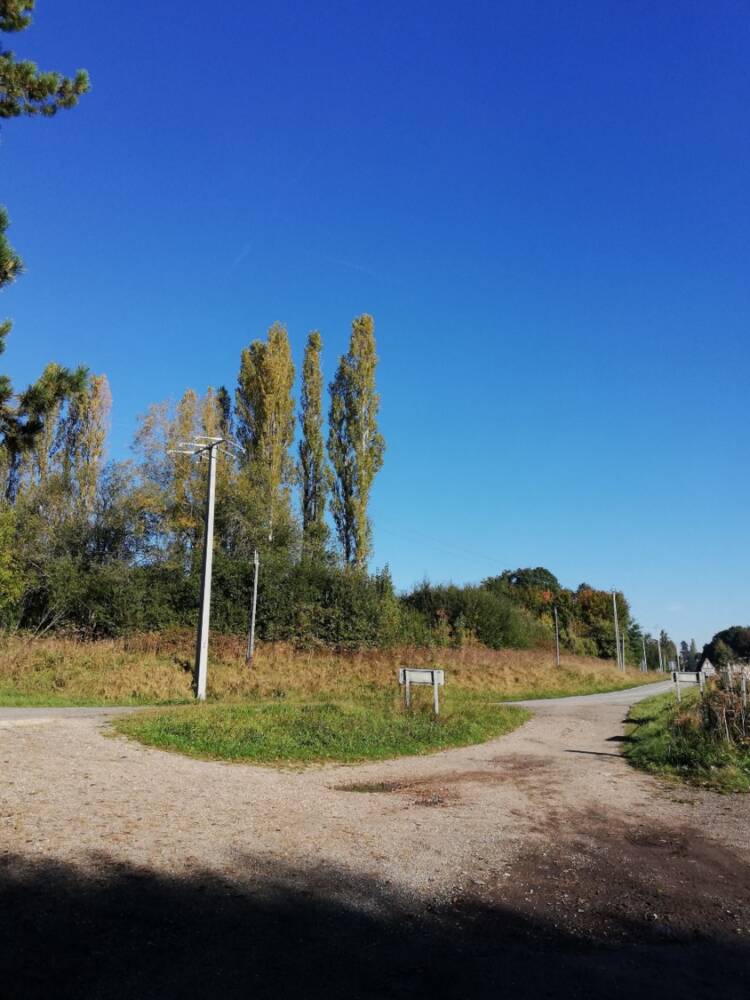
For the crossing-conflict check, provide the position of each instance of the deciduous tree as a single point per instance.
(355, 446)
(312, 463)
(265, 421)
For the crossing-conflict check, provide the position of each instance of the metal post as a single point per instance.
(557, 638)
(251, 634)
(617, 630)
(201, 653)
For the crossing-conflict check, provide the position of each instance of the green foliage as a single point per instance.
(355, 446)
(457, 614)
(669, 739)
(312, 462)
(728, 645)
(265, 421)
(11, 264)
(24, 89)
(373, 729)
(11, 571)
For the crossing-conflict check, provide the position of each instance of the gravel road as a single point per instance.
(543, 843)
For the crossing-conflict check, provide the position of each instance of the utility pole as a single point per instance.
(644, 668)
(623, 648)
(617, 630)
(557, 638)
(658, 646)
(201, 647)
(204, 445)
(251, 633)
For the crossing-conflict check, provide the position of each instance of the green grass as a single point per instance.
(656, 745)
(299, 733)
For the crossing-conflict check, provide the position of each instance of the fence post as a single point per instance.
(676, 679)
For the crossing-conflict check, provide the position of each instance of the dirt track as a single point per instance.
(539, 860)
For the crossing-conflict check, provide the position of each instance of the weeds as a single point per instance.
(154, 668)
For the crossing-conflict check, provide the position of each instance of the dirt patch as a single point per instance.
(629, 884)
(520, 763)
(503, 769)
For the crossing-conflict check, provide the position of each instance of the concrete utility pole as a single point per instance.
(201, 648)
(644, 666)
(251, 634)
(617, 630)
(204, 445)
(557, 638)
(658, 646)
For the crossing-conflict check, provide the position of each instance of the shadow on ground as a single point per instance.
(120, 932)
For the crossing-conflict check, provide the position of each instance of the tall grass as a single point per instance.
(693, 740)
(155, 668)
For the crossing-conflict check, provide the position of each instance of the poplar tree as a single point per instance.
(265, 420)
(91, 411)
(355, 447)
(312, 463)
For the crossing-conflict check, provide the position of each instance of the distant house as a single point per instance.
(707, 667)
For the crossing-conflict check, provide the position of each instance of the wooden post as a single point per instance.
(676, 679)
(702, 682)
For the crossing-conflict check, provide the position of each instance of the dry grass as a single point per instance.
(156, 668)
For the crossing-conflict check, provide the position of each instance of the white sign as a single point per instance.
(421, 675)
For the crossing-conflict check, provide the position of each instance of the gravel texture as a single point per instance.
(549, 824)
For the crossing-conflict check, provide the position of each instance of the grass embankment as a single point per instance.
(667, 738)
(156, 669)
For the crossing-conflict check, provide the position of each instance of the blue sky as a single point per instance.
(545, 206)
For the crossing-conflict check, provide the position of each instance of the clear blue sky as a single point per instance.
(545, 206)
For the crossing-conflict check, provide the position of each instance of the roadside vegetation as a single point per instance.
(704, 741)
(157, 669)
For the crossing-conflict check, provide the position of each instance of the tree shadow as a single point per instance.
(114, 931)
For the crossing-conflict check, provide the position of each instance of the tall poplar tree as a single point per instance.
(265, 420)
(312, 462)
(355, 446)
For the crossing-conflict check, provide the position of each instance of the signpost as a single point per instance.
(421, 675)
(688, 677)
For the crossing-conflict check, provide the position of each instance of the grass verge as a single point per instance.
(299, 733)
(664, 739)
(156, 669)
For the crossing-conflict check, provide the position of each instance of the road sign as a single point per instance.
(421, 675)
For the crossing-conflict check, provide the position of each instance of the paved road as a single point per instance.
(624, 698)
